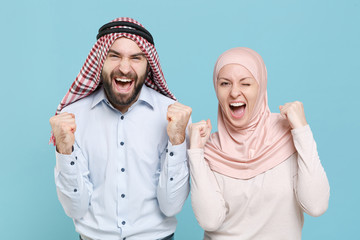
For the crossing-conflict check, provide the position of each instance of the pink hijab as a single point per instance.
(263, 143)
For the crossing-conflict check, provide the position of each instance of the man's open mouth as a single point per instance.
(123, 84)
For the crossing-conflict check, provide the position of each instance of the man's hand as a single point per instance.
(199, 133)
(294, 113)
(178, 117)
(64, 127)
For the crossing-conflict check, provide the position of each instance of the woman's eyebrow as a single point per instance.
(242, 79)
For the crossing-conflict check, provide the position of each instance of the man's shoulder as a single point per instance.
(80, 106)
(160, 99)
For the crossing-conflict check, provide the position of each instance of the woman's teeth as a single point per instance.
(239, 104)
(237, 109)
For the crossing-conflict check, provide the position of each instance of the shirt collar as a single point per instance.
(145, 97)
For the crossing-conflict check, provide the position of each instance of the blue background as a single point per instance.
(311, 49)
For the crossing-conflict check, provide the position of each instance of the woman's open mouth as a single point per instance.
(237, 109)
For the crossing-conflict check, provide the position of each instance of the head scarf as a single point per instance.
(88, 80)
(263, 143)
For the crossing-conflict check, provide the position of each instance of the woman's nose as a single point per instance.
(235, 91)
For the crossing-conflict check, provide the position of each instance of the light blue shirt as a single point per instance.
(124, 178)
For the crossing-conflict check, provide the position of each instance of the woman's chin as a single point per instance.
(238, 122)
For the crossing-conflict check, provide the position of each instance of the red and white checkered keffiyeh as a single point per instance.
(88, 80)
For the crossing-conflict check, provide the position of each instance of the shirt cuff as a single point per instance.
(176, 153)
(66, 163)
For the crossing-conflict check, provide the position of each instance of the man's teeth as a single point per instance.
(239, 104)
(123, 80)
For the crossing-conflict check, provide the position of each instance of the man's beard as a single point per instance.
(115, 98)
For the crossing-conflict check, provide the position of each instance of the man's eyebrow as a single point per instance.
(113, 51)
(138, 54)
(132, 55)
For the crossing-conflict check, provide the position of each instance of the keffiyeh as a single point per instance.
(88, 80)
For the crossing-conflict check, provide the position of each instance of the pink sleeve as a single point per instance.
(311, 184)
(206, 198)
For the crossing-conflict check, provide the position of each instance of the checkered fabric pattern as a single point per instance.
(88, 80)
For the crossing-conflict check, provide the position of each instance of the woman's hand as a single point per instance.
(294, 113)
(199, 133)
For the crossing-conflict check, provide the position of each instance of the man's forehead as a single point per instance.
(126, 46)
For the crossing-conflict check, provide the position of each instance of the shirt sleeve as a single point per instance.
(311, 184)
(208, 204)
(72, 183)
(173, 187)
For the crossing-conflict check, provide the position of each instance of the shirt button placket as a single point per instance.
(122, 176)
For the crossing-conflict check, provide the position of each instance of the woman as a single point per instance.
(254, 178)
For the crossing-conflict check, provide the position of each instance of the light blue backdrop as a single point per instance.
(311, 49)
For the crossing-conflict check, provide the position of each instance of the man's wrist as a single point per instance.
(64, 150)
(177, 139)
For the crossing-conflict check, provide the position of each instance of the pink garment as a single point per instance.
(261, 145)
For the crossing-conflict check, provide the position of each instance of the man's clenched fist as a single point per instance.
(178, 117)
(64, 127)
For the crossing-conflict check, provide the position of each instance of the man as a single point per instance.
(121, 168)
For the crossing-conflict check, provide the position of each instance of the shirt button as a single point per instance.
(171, 154)
(123, 169)
(122, 195)
(166, 150)
(122, 143)
(171, 179)
(123, 222)
(75, 190)
(72, 163)
(124, 238)
(122, 117)
(76, 157)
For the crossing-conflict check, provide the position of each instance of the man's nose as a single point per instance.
(124, 66)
